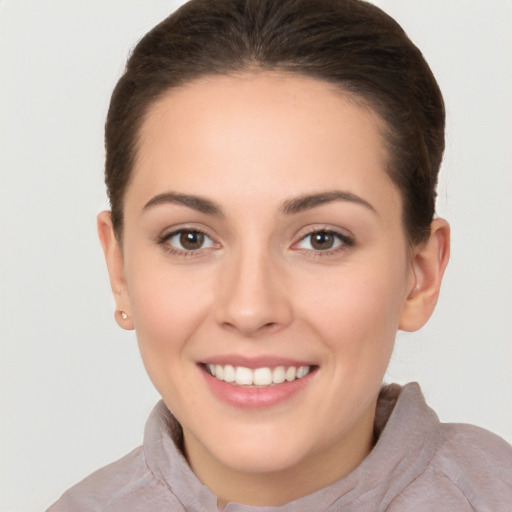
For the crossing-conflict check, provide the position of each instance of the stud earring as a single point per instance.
(123, 320)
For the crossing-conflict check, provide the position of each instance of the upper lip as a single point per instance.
(255, 362)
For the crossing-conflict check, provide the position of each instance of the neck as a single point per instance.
(312, 473)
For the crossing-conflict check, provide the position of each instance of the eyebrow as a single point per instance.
(195, 202)
(289, 207)
(309, 201)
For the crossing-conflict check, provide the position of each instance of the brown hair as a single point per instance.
(350, 43)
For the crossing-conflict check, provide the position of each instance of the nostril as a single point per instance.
(252, 303)
(251, 330)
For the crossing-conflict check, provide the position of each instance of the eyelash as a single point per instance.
(343, 241)
(164, 242)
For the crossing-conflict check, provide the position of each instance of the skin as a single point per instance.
(250, 144)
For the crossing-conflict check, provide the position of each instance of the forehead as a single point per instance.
(258, 131)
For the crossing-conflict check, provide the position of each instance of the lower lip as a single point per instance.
(254, 397)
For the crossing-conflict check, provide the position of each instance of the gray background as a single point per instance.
(74, 394)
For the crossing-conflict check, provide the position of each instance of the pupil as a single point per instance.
(322, 240)
(191, 240)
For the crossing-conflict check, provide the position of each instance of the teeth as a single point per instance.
(302, 371)
(291, 373)
(262, 377)
(243, 376)
(278, 375)
(229, 373)
(258, 377)
(219, 371)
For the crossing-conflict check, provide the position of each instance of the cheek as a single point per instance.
(359, 312)
(168, 305)
(357, 324)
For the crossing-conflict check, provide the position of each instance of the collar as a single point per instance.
(406, 430)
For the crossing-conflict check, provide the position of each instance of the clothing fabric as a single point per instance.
(417, 464)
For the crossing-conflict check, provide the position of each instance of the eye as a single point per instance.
(188, 240)
(323, 240)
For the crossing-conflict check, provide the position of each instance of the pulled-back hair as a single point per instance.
(350, 43)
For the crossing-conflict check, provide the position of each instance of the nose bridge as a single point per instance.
(251, 296)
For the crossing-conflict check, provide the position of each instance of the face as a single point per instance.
(265, 269)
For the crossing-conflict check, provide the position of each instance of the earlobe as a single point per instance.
(115, 265)
(429, 261)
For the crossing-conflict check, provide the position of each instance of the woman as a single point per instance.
(271, 168)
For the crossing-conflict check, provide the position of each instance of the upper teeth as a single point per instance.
(258, 377)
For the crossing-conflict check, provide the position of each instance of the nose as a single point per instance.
(252, 295)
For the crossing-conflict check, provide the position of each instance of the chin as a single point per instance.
(260, 450)
(258, 460)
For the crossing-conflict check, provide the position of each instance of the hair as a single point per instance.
(350, 43)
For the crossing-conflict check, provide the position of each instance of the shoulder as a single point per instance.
(440, 466)
(475, 459)
(126, 484)
(470, 470)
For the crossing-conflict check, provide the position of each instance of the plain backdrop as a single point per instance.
(74, 393)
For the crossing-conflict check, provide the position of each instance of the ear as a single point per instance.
(115, 264)
(428, 263)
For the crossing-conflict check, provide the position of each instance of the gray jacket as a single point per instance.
(418, 464)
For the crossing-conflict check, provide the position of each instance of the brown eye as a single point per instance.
(188, 240)
(191, 240)
(322, 240)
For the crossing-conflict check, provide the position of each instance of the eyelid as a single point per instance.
(162, 240)
(346, 239)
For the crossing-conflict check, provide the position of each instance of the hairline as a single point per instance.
(359, 99)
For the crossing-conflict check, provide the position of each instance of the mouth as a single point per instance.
(259, 382)
(261, 377)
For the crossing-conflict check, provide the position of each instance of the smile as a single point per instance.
(261, 377)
